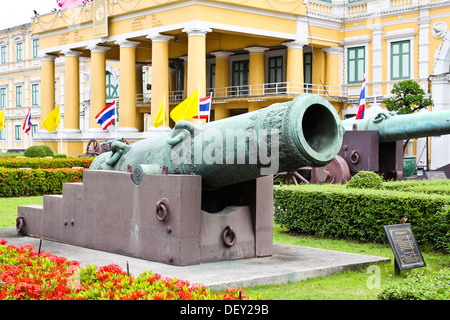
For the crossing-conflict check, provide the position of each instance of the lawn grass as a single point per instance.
(347, 285)
(8, 209)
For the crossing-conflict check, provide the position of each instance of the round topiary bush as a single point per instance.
(34, 152)
(48, 151)
(366, 180)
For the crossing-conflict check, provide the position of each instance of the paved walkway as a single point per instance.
(287, 264)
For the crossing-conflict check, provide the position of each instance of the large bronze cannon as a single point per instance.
(282, 137)
(215, 202)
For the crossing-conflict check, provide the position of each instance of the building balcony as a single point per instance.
(351, 9)
(261, 92)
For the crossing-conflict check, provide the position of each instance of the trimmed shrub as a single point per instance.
(366, 180)
(333, 211)
(420, 286)
(34, 152)
(48, 151)
(60, 155)
(45, 163)
(25, 182)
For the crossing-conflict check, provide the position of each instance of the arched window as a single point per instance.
(112, 87)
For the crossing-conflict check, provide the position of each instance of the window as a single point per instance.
(4, 54)
(18, 132)
(112, 86)
(34, 129)
(19, 97)
(35, 94)
(35, 48)
(275, 69)
(2, 134)
(212, 75)
(240, 77)
(307, 70)
(2, 98)
(356, 64)
(400, 60)
(19, 51)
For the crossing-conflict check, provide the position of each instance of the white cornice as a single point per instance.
(357, 40)
(399, 34)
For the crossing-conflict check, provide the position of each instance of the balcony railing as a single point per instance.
(353, 8)
(265, 90)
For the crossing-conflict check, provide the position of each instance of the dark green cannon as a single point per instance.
(403, 127)
(306, 131)
(376, 144)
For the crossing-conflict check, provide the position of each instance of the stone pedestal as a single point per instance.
(109, 212)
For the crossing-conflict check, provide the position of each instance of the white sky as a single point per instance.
(17, 12)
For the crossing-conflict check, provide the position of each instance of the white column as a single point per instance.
(377, 59)
(440, 151)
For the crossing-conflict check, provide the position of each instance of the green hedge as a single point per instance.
(424, 186)
(24, 182)
(45, 163)
(336, 211)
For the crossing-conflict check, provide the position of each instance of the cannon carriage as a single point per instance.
(95, 148)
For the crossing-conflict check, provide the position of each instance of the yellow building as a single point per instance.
(248, 54)
(20, 69)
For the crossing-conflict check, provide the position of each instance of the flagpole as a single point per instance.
(198, 103)
(210, 107)
(164, 113)
(116, 124)
(60, 130)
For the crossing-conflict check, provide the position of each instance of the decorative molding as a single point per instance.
(157, 37)
(439, 29)
(256, 49)
(294, 44)
(400, 34)
(72, 53)
(197, 31)
(127, 43)
(96, 48)
(221, 54)
(358, 40)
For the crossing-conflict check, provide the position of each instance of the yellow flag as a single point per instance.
(187, 109)
(2, 119)
(160, 116)
(52, 120)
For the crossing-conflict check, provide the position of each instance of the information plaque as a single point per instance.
(404, 245)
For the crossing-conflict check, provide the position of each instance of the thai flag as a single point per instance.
(204, 107)
(107, 116)
(27, 123)
(362, 101)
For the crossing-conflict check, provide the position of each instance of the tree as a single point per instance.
(409, 98)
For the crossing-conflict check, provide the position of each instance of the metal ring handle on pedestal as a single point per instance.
(354, 158)
(20, 221)
(228, 231)
(162, 209)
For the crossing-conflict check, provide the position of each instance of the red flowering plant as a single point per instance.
(25, 274)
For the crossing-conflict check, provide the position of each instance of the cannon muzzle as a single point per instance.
(403, 127)
(306, 131)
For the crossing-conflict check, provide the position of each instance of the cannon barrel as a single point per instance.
(306, 131)
(403, 127)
